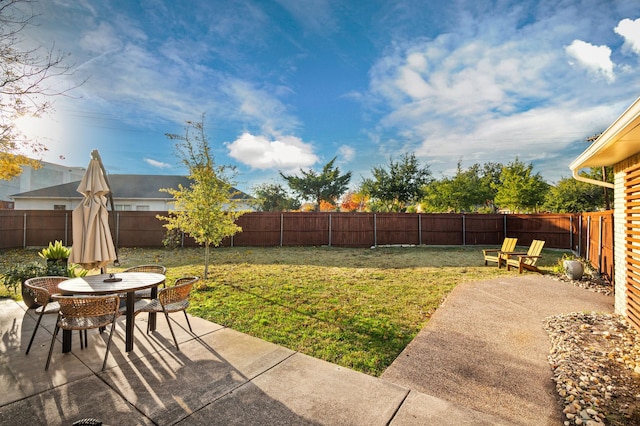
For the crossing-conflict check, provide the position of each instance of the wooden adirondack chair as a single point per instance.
(494, 255)
(526, 260)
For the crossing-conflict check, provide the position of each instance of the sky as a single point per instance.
(285, 85)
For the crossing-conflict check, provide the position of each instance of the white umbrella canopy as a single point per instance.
(92, 242)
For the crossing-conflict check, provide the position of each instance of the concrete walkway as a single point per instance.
(481, 360)
(485, 348)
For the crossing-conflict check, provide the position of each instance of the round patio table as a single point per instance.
(125, 282)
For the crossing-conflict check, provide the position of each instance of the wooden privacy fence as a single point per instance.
(589, 234)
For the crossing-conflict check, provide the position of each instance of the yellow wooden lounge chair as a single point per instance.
(493, 255)
(526, 260)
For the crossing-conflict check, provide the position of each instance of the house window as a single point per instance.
(59, 207)
(142, 208)
(123, 207)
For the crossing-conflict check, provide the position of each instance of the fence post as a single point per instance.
(571, 232)
(600, 245)
(24, 231)
(580, 235)
(375, 230)
(505, 225)
(586, 255)
(419, 229)
(329, 229)
(281, 227)
(464, 231)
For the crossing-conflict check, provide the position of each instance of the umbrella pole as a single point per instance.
(96, 156)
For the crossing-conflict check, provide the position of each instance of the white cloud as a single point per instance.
(158, 164)
(285, 153)
(596, 59)
(346, 153)
(528, 134)
(258, 105)
(492, 96)
(411, 83)
(462, 83)
(100, 40)
(630, 31)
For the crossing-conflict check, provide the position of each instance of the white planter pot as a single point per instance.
(573, 269)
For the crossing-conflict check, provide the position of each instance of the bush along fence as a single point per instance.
(589, 235)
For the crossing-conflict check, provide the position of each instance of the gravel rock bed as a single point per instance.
(595, 359)
(590, 282)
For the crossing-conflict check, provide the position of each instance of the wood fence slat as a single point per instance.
(142, 229)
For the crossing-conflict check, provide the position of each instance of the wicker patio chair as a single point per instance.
(85, 313)
(172, 299)
(157, 269)
(42, 288)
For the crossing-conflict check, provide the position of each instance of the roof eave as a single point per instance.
(620, 141)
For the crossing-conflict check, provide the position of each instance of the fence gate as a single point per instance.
(632, 242)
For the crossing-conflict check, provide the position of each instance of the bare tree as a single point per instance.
(26, 85)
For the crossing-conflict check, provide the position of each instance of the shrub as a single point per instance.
(20, 272)
(172, 238)
(55, 251)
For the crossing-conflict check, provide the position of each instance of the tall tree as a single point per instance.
(490, 181)
(272, 197)
(464, 191)
(207, 210)
(26, 88)
(327, 185)
(572, 196)
(397, 186)
(604, 174)
(520, 189)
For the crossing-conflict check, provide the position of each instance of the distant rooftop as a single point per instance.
(122, 186)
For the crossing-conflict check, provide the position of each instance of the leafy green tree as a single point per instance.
(572, 196)
(467, 190)
(327, 185)
(519, 188)
(394, 188)
(272, 197)
(206, 210)
(435, 198)
(25, 74)
(490, 181)
(604, 174)
(468, 186)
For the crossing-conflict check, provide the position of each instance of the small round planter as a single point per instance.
(573, 269)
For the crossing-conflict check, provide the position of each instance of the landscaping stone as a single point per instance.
(595, 359)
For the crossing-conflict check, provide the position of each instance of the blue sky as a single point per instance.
(289, 84)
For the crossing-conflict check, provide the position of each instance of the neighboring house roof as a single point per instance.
(620, 141)
(123, 186)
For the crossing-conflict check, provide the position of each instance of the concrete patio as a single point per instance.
(219, 377)
(484, 352)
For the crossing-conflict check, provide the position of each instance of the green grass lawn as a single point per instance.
(358, 308)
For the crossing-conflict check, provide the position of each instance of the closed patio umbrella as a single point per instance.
(92, 242)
